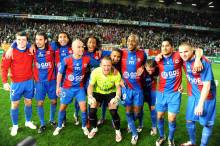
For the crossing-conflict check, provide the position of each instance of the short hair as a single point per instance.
(136, 37)
(168, 40)
(22, 33)
(186, 43)
(116, 50)
(45, 37)
(106, 58)
(150, 63)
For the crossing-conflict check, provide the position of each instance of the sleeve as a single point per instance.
(5, 67)
(206, 73)
(105, 53)
(92, 79)
(54, 45)
(117, 79)
(62, 66)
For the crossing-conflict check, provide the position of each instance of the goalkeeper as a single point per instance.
(104, 86)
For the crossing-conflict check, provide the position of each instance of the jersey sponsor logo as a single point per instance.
(44, 65)
(138, 59)
(193, 80)
(48, 52)
(177, 61)
(40, 55)
(85, 65)
(170, 74)
(75, 78)
(131, 75)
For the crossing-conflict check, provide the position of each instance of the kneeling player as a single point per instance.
(104, 87)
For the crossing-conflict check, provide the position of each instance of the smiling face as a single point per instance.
(115, 57)
(21, 42)
(166, 48)
(106, 65)
(63, 39)
(186, 52)
(78, 48)
(91, 44)
(40, 41)
(132, 42)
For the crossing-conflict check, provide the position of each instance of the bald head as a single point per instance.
(78, 47)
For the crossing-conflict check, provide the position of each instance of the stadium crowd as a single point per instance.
(150, 38)
(111, 11)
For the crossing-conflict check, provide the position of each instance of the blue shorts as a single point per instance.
(43, 88)
(168, 102)
(209, 111)
(20, 89)
(150, 97)
(67, 95)
(132, 97)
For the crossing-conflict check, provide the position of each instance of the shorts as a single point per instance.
(168, 102)
(150, 97)
(43, 88)
(209, 111)
(67, 95)
(106, 98)
(132, 97)
(25, 88)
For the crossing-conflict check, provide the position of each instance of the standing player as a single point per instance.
(168, 95)
(202, 96)
(45, 79)
(104, 85)
(22, 83)
(132, 91)
(72, 72)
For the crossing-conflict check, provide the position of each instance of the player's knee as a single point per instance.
(40, 103)
(28, 102)
(14, 105)
(171, 118)
(114, 114)
(92, 113)
(54, 102)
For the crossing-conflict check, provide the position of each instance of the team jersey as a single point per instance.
(104, 84)
(130, 62)
(44, 65)
(170, 73)
(150, 81)
(73, 71)
(195, 79)
(20, 66)
(60, 52)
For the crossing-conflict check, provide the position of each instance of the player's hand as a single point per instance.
(6, 87)
(122, 84)
(91, 100)
(199, 109)
(58, 91)
(32, 49)
(197, 67)
(9, 53)
(180, 89)
(158, 57)
(115, 100)
(140, 70)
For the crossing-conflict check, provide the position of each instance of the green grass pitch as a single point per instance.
(72, 135)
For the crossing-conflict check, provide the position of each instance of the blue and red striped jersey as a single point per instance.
(195, 79)
(74, 71)
(130, 62)
(170, 73)
(20, 66)
(44, 65)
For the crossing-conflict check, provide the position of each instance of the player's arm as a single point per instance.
(59, 79)
(6, 63)
(198, 64)
(116, 99)
(203, 97)
(90, 89)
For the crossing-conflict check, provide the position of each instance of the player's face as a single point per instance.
(115, 57)
(21, 42)
(63, 39)
(91, 44)
(186, 52)
(40, 41)
(106, 66)
(150, 70)
(166, 48)
(78, 47)
(132, 43)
